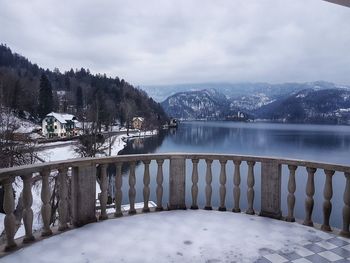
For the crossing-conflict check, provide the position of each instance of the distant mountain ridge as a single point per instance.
(313, 102)
(235, 90)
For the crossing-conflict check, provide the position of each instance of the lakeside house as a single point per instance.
(59, 125)
(137, 122)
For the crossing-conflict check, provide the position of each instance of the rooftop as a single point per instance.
(189, 236)
(61, 117)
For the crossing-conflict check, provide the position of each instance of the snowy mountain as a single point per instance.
(237, 90)
(310, 106)
(293, 102)
(196, 104)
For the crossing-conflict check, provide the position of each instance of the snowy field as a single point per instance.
(63, 151)
(175, 236)
(66, 150)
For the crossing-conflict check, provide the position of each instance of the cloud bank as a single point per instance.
(164, 42)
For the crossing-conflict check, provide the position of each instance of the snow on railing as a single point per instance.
(83, 173)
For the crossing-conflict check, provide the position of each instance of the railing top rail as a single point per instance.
(25, 169)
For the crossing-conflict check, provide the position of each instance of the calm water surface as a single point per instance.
(309, 142)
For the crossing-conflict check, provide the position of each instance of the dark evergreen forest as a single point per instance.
(33, 91)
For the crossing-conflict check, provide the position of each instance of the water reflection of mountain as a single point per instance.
(256, 139)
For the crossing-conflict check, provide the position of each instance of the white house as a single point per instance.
(59, 125)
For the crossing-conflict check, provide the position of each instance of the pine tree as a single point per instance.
(79, 99)
(15, 96)
(45, 97)
(67, 83)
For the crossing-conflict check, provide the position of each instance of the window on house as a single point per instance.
(55, 126)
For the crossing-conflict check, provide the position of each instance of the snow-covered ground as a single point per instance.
(64, 150)
(22, 125)
(174, 236)
(57, 151)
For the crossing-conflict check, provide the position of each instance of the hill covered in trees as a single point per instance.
(32, 91)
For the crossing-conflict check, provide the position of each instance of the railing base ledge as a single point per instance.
(250, 212)
(63, 228)
(345, 234)
(46, 233)
(277, 216)
(11, 247)
(326, 228)
(222, 209)
(194, 207)
(290, 219)
(81, 223)
(177, 207)
(145, 210)
(27, 240)
(236, 210)
(208, 208)
(308, 223)
(118, 214)
(102, 217)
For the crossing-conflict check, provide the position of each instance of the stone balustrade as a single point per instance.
(83, 172)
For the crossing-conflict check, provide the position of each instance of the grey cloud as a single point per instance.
(158, 42)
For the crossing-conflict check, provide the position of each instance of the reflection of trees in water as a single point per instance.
(198, 135)
(134, 146)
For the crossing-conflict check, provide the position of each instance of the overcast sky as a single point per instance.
(184, 41)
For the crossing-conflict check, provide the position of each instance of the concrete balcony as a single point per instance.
(241, 236)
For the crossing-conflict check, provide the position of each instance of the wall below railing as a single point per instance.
(82, 174)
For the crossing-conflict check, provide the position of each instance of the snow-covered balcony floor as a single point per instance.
(188, 236)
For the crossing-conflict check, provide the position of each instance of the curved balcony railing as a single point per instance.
(82, 173)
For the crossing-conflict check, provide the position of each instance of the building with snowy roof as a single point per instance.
(137, 122)
(59, 125)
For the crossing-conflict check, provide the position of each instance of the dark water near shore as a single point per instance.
(308, 142)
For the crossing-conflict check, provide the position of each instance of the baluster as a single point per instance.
(327, 204)
(10, 220)
(250, 192)
(236, 189)
(159, 185)
(132, 191)
(46, 207)
(291, 190)
(346, 210)
(309, 201)
(103, 195)
(208, 188)
(222, 185)
(63, 203)
(118, 190)
(146, 190)
(194, 189)
(27, 208)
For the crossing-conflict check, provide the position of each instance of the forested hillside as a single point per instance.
(32, 91)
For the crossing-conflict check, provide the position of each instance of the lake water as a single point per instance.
(309, 142)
